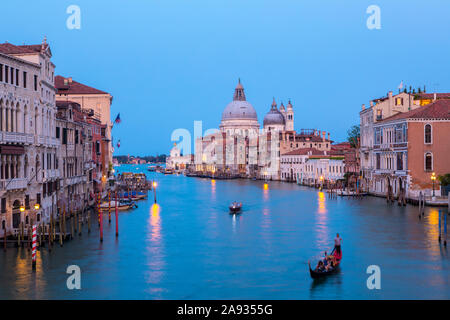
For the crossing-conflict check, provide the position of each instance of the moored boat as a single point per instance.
(121, 205)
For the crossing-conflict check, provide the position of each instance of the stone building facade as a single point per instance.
(27, 143)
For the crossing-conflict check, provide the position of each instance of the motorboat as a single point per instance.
(235, 207)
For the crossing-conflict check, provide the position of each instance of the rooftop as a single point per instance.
(440, 109)
(69, 86)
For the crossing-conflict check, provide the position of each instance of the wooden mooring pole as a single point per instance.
(117, 217)
(109, 207)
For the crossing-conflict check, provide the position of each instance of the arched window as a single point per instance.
(428, 161)
(427, 133)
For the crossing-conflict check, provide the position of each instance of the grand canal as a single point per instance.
(190, 247)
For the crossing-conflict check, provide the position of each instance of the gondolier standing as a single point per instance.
(337, 244)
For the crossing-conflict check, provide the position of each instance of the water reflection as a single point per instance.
(156, 257)
(321, 222)
(155, 223)
(432, 232)
(266, 192)
(25, 278)
(213, 189)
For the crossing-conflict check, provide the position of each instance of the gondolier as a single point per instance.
(337, 244)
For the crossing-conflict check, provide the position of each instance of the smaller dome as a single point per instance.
(274, 116)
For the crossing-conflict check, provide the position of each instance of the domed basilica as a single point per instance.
(240, 118)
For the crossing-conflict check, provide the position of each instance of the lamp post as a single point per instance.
(321, 183)
(433, 179)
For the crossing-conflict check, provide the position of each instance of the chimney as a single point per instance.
(65, 81)
(371, 103)
(328, 136)
(323, 136)
(390, 94)
(363, 107)
(434, 96)
(70, 80)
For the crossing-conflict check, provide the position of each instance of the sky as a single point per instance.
(170, 63)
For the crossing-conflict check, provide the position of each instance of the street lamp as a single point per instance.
(37, 206)
(433, 178)
(22, 208)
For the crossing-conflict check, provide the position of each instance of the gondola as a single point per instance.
(321, 274)
(235, 207)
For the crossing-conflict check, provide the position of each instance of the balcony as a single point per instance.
(16, 137)
(13, 184)
(51, 174)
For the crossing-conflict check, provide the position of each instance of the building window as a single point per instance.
(378, 157)
(428, 133)
(1, 72)
(379, 114)
(6, 73)
(17, 77)
(3, 205)
(428, 161)
(12, 76)
(27, 201)
(57, 132)
(35, 83)
(24, 79)
(398, 101)
(399, 161)
(64, 136)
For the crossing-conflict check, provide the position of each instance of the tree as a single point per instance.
(353, 136)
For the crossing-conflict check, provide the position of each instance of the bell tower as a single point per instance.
(289, 117)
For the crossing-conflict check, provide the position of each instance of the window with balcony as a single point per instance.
(427, 134)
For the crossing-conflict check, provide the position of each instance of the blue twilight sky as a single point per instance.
(168, 63)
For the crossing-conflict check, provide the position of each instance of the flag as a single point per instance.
(117, 118)
(118, 144)
(400, 86)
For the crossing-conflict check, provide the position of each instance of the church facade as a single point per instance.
(241, 148)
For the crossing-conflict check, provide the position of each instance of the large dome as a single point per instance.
(274, 116)
(239, 108)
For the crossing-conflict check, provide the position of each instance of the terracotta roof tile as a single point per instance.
(8, 48)
(74, 87)
(304, 152)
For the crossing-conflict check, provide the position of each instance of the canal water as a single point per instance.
(190, 247)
